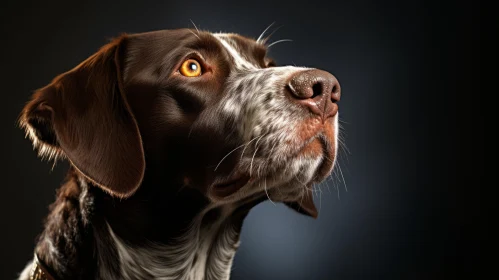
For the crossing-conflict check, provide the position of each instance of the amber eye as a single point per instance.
(190, 68)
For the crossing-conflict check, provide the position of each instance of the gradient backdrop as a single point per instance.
(407, 69)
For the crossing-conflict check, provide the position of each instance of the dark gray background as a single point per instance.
(411, 103)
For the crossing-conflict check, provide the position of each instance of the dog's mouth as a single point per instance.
(226, 187)
(284, 173)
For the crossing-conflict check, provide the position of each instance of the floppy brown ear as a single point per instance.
(83, 115)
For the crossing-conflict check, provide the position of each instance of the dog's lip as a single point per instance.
(327, 161)
(230, 186)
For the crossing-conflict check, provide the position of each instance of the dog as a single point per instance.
(172, 137)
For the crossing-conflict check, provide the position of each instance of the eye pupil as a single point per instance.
(193, 66)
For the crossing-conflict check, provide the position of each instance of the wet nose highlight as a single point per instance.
(317, 90)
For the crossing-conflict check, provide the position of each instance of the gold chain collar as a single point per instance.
(38, 271)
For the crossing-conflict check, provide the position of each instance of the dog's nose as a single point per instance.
(317, 90)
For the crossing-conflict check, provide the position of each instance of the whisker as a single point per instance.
(344, 147)
(329, 179)
(279, 41)
(316, 190)
(341, 138)
(194, 34)
(194, 26)
(268, 161)
(230, 153)
(242, 154)
(302, 197)
(266, 192)
(299, 181)
(254, 154)
(270, 35)
(335, 173)
(263, 33)
(320, 200)
(272, 150)
(341, 173)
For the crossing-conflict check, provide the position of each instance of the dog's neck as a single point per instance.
(138, 238)
(204, 251)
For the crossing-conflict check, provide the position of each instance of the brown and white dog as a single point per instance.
(172, 137)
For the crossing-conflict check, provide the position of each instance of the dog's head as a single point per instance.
(211, 110)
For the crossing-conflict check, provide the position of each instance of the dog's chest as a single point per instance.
(205, 252)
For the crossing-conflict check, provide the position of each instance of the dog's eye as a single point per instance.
(190, 68)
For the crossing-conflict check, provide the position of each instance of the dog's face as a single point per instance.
(211, 110)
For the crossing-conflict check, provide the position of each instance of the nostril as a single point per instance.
(316, 90)
(335, 89)
(334, 93)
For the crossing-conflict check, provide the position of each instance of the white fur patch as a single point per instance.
(205, 252)
(25, 274)
(239, 61)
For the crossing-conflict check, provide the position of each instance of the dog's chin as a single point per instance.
(286, 181)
